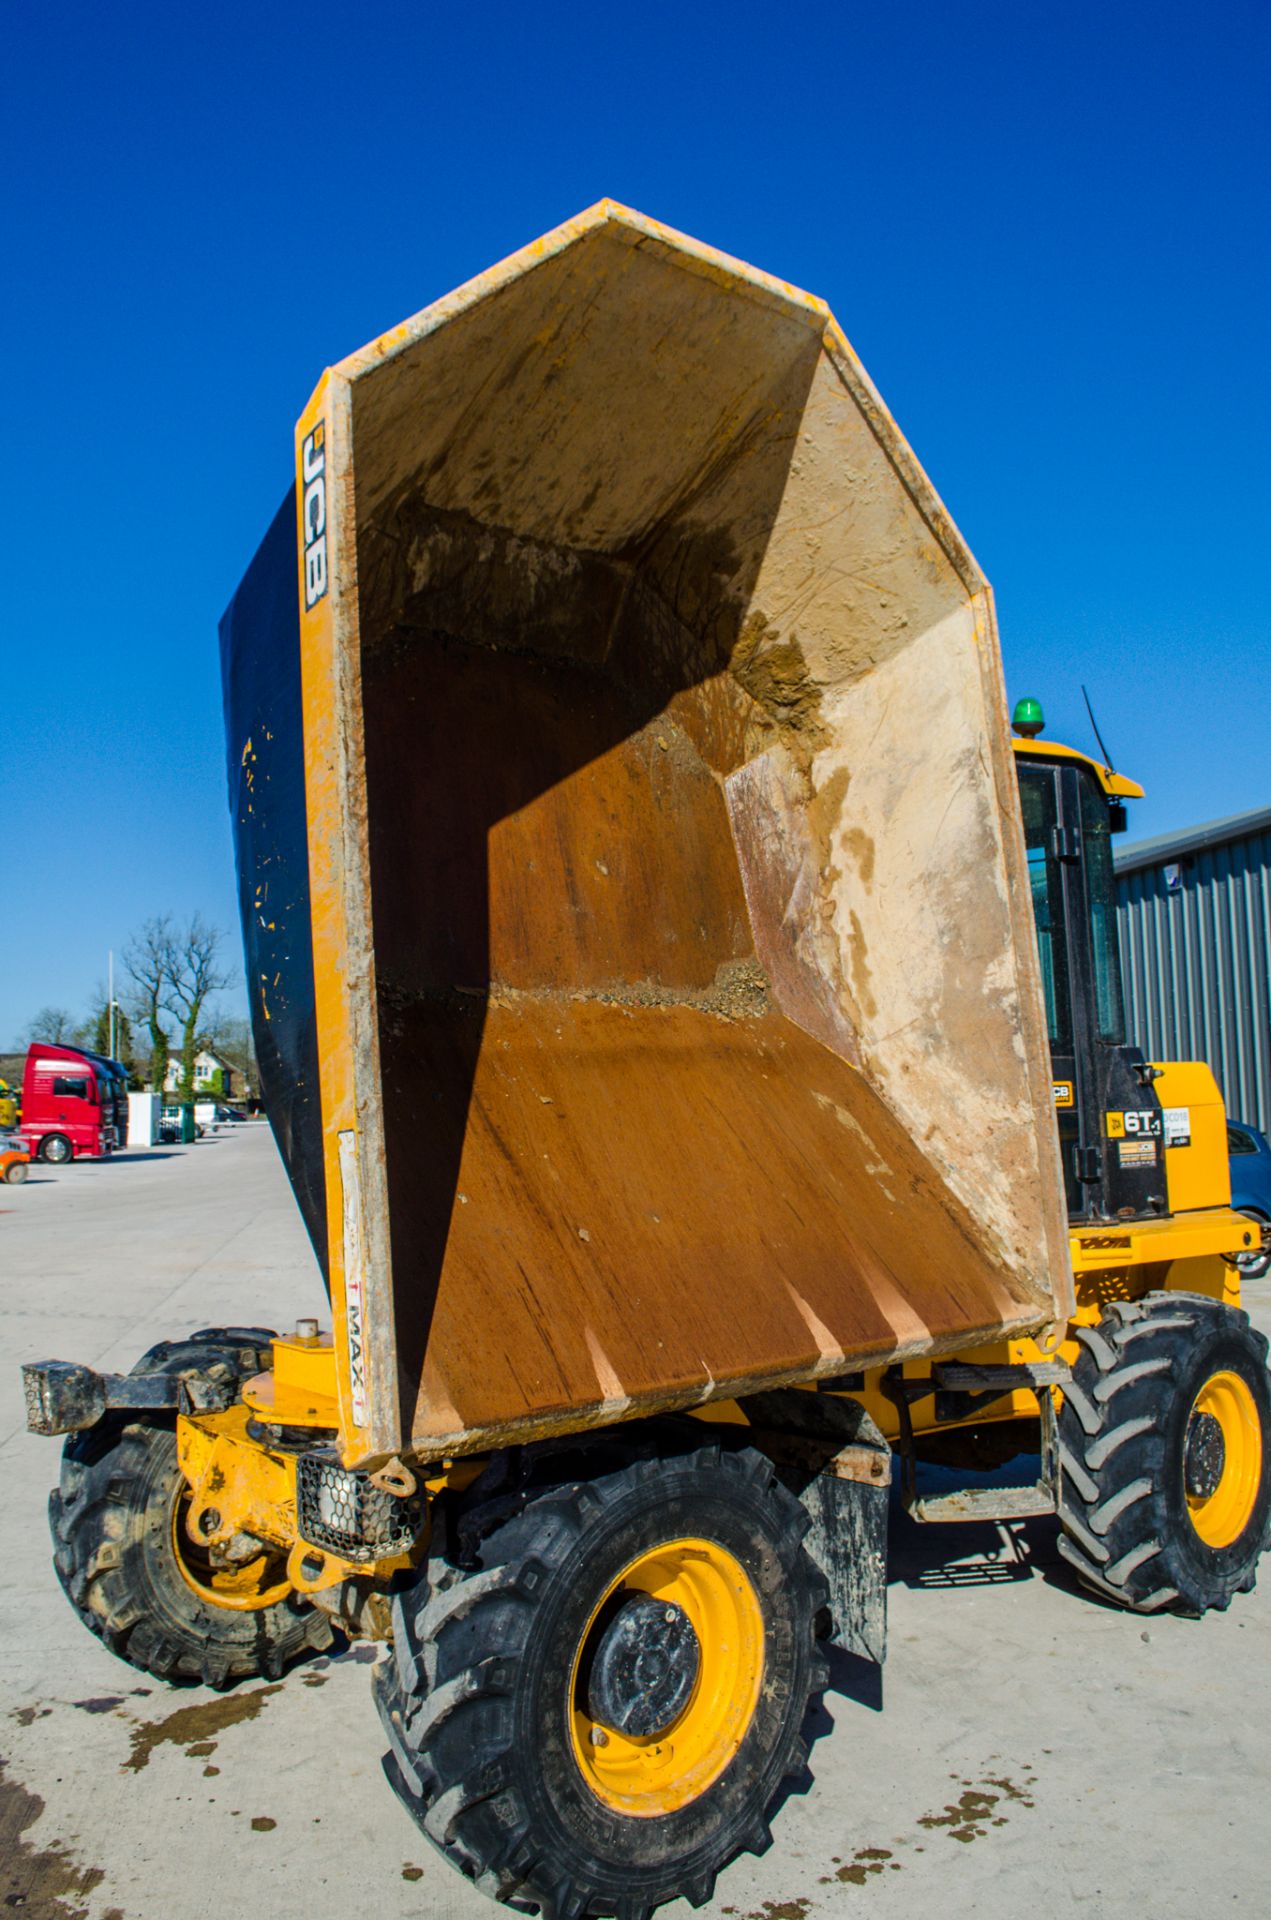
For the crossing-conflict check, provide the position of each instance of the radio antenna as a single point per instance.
(1107, 757)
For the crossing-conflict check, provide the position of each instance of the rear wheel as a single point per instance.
(597, 1714)
(1165, 1465)
(131, 1571)
(15, 1173)
(1254, 1266)
(56, 1149)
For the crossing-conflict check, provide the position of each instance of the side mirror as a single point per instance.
(1118, 818)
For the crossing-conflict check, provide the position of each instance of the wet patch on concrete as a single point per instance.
(981, 1805)
(192, 1726)
(976, 1808)
(41, 1883)
(263, 1824)
(105, 1703)
(780, 1910)
(27, 1716)
(864, 1862)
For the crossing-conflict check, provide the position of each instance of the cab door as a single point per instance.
(1110, 1123)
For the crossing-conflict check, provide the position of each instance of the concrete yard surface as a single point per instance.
(1025, 1750)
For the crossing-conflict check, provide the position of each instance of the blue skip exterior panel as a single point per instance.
(1194, 920)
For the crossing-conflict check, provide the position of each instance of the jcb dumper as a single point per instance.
(643, 942)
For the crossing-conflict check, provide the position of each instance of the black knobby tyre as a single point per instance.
(1162, 1504)
(480, 1699)
(112, 1520)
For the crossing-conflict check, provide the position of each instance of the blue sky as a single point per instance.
(1045, 231)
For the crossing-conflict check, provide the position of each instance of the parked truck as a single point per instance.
(666, 981)
(74, 1103)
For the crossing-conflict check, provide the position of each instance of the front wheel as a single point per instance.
(15, 1173)
(598, 1712)
(1164, 1458)
(56, 1149)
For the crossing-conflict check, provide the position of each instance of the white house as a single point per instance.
(206, 1063)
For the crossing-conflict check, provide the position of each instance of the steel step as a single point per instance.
(961, 1377)
(983, 1503)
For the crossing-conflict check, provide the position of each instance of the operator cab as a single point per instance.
(1110, 1121)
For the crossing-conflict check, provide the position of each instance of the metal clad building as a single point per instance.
(1194, 918)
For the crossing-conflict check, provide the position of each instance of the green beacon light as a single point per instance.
(1028, 719)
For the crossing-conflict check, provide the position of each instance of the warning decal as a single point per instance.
(1136, 1153)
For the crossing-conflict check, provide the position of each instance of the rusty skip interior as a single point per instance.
(705, 1054)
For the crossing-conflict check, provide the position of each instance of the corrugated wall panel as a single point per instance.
(1197, 966)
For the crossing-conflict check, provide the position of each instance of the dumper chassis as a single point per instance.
(701, 1068)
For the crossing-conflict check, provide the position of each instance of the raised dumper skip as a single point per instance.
(667, 980)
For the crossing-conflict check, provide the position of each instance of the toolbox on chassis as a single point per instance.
(663, 1002)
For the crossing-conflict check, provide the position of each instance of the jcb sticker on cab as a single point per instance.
(1134, 1125)
(1063, 1093)
(313, 512)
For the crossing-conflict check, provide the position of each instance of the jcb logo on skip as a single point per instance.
(313, 513)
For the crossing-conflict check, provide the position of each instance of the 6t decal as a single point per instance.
(313, 512)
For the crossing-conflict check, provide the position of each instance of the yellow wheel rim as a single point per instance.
(1221, 1512)
(647, 1777)
(244, 1589)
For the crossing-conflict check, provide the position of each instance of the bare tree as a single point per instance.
(231, 1036)
(192, 974)
(55, 1025)
(146, 958)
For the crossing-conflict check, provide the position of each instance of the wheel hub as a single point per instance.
(1205, 1456)
(645, 1667)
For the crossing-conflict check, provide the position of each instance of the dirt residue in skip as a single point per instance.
(41, 1883)
(194, 1726)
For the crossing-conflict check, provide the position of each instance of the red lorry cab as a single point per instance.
(74, 1103)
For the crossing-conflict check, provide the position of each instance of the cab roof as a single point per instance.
(1116, 785)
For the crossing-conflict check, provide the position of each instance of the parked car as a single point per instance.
(15, 1158)
(171, 1128)
(1250, 1155)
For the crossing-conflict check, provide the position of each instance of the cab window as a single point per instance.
(70, 1088)
(1037, 798)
